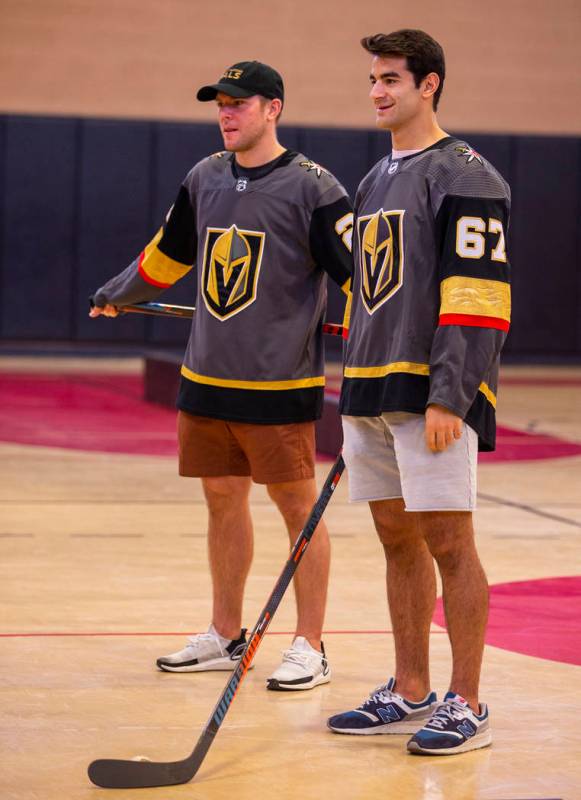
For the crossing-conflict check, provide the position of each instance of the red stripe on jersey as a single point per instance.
(146, 277)
(475, 320)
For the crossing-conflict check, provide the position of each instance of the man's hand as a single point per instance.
(106, 311)
(442, 427)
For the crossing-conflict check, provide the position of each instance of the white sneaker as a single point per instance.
(205, 651)
(302, 668)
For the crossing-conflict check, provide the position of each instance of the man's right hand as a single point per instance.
(106, 311)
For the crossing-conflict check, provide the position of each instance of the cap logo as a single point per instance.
(233, 74)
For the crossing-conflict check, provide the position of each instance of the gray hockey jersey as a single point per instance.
(431, 289)
(262, 240)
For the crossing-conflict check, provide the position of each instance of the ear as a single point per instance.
(275, 108)
(430, 85)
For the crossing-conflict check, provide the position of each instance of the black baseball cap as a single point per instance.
(244, 79)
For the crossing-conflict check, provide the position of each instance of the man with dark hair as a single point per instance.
(430, 312)
(263, 225)
(422, 53)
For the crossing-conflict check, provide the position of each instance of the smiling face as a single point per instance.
(395, 96)
(245, 121)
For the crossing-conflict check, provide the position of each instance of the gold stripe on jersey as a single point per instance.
(301, 383)
(387, 369)
(488, 393)
(410, 368)
(476, 296)
(347, 312)
(157, 268)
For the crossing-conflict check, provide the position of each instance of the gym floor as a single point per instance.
(103, 569)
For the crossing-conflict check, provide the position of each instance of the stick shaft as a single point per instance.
(268, 612)
(123, 774)
(166, 310)
(158, 310)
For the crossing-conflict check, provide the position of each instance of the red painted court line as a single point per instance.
(181, 633)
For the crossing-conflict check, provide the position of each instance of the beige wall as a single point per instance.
(512, 65)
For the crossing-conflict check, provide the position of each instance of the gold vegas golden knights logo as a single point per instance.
(380, 256)
(230, 271)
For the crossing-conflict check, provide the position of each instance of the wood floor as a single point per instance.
(103, 569)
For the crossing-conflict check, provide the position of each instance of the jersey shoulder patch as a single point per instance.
(467, 152)
(459, 169)
(311, 166)
(314, 184)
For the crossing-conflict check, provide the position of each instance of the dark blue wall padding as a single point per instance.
(114, 215)
(291, 137)
(545, 246)
(378, 145)
(38, 227)
(79, 199)
(2, 208)
(342, 152)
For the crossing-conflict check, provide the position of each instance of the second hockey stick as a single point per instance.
(112, 773)
(167, 310)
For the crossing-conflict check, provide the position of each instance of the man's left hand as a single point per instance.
(442, 427)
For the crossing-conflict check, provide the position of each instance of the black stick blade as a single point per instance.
(114, 773)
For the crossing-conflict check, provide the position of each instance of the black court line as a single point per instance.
(530, 509)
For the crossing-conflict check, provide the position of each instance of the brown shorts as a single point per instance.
(212, 448)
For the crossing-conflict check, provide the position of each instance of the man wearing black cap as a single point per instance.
(263, 225)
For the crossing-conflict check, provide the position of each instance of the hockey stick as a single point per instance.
(165, 310)
(158, 310)
(128, 774)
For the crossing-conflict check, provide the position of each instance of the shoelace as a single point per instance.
(198, 639)
(446, 712)
(380, 695)
(297, 657)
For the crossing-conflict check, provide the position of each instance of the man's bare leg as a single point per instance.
(295, 500)
(411, 592)
(450, 538)
(230, 549)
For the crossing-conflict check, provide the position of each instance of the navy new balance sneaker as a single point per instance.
(452, 728)
(385, 712)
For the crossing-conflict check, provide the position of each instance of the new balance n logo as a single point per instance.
(389, 713)
(466, 728)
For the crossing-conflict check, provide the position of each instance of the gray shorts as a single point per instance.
(387, 458)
